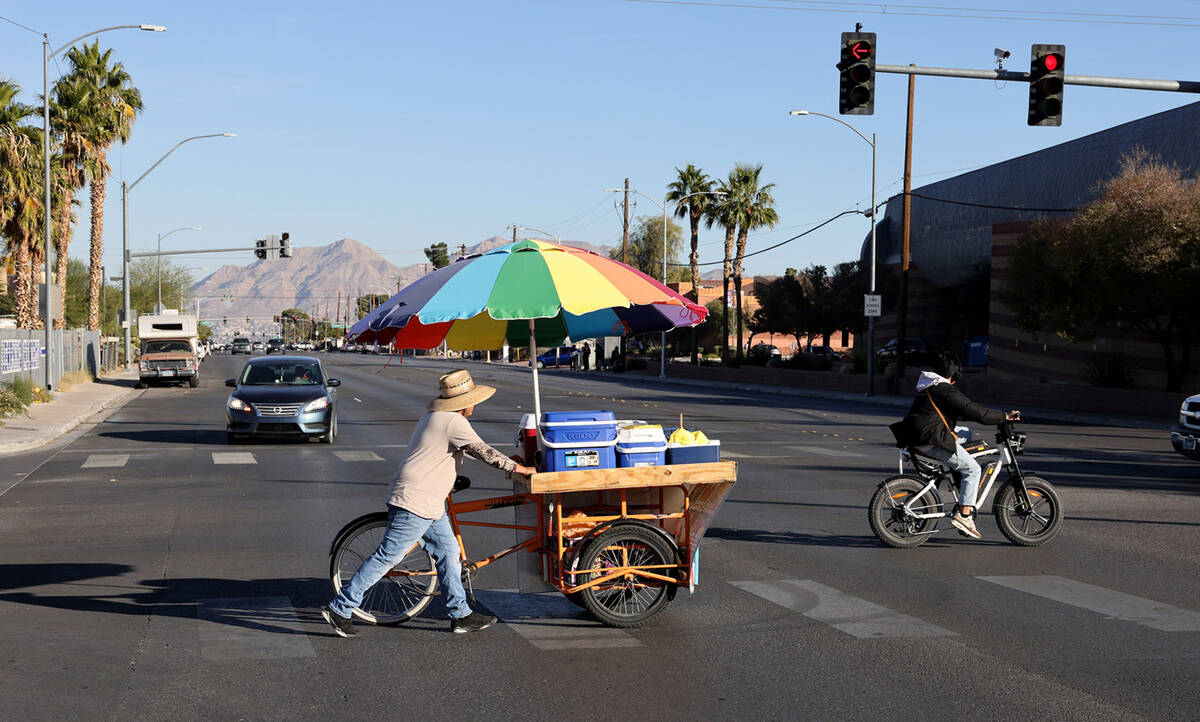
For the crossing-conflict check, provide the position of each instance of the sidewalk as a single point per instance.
(47, 422)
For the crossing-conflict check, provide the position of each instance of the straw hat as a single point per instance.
(458, 391)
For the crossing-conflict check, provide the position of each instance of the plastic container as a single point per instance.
(641, 445)
(577, 440)
(694, 453)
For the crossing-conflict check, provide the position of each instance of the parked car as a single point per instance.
(763, 354)
(1185, 433)
(274, 344)
(240, 344)
(823, 351)
(561, 356)
(915, 351)
(282, 396)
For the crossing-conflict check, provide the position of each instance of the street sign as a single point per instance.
(872, 305)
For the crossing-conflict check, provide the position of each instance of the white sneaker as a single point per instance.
(965, 525)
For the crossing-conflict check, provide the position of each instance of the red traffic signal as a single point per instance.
(1046, 83)
(856, 85)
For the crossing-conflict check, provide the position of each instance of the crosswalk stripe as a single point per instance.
(100, 461)
(358, 456)
(233, 457)
(826, 451)
(551, 621)
(251, 628)
(854, 616)
(1111, 603)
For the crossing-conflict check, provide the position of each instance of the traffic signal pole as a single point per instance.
(1172, 86)
(902, 331)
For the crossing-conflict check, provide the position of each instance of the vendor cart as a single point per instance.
(618, 542)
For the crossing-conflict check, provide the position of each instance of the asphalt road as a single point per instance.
(142, 579)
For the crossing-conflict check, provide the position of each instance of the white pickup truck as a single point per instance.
(170, 348)
(1185, 435)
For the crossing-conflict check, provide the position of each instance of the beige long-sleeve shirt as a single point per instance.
(435, 456)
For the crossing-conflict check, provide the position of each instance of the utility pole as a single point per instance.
(902, 331)
(625, 227)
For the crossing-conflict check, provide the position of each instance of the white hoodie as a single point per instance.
(929, 379)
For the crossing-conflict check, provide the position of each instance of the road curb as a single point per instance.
(57, 429)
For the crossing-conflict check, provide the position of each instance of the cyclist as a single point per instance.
(417, 504)
(929, 428)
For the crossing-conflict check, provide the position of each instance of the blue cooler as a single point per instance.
(577, 440)
(641, 445)
(694, 453)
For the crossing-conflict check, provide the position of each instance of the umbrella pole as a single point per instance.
(537, 394)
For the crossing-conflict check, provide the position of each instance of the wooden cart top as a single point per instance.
(631, 477)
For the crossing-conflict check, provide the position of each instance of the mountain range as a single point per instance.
(319, 280)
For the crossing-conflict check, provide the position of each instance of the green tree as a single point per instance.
(70, 118)
(692, 193)
(724, 212)
(1130, 257)
(646, 248)
(438, 255)
(20, 198)
(111, 105)
(755, 208)
(75, 294)
(177, 282)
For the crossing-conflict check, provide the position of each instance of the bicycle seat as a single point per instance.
(929, 465)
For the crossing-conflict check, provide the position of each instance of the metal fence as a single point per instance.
(22, 353)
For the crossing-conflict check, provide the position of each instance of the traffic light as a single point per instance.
(857, 66)
(260, 249)
(276, 319)
(1046, 83)
(225, 321)
(285, 246)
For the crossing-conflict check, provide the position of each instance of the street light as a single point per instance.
(871, 215)
(46, 55)
(125, 188)
(556, 238)
(662, 358)
(158, 258)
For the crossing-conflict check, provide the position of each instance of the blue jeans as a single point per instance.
(404, 530)
(959, 460)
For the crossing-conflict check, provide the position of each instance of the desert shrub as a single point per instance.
(10, 403)
(73, 378)
(1111, 370)
(23, 388)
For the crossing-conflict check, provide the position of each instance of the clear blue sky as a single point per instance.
(402, 124)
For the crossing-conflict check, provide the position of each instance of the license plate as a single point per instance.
(1189, 443)
(167, 372)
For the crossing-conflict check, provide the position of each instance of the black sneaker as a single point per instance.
(473, 622)
(342, 625)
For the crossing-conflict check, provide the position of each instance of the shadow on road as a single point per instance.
(763, 536)
(18, 576)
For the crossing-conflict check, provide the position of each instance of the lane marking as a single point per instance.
(825, 451)
(735, 455)
(101, 461)
(233, 457)
(550, 621)
(251, 628)
(358, 456)
(1111, 603)
(854, 616)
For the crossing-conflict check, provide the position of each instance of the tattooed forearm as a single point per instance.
(490, 456)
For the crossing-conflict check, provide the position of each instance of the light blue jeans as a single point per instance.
(959, 460)
(404, 530)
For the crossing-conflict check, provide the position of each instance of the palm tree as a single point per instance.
(20, 196)
(756, 210)
(695, 183)
(113, 106)
(75, 161)
(724, 212)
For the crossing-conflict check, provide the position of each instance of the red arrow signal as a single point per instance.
(861, 49)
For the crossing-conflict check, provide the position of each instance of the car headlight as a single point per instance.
(316, 405)
(144, 366)
(237, 404)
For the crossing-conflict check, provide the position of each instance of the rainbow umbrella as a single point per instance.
(535, 290)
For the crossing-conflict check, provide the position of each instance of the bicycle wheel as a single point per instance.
(402, 593)
(1028, 524)
(895, 526)
(631, 599)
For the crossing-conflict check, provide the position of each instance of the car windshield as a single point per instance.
(241, 340)
(283, 373)
(167, 347)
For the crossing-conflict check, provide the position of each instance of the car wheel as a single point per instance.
(232, 438)
(332, 433)
(194, 381)
(541, 365)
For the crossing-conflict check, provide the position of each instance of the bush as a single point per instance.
(73, 378)
(10, 402)
(1111, 371)
(23, 388)
(808, 362)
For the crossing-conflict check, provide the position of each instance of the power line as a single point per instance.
(26, 27)
(980, 14)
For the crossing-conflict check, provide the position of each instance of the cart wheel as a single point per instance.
(402, 594)
(631, 599)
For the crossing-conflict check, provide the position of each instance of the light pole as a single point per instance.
(662, 358)
(556, 238)
(158, 259)
(871, 215)
(125, 188)
(46, 55)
